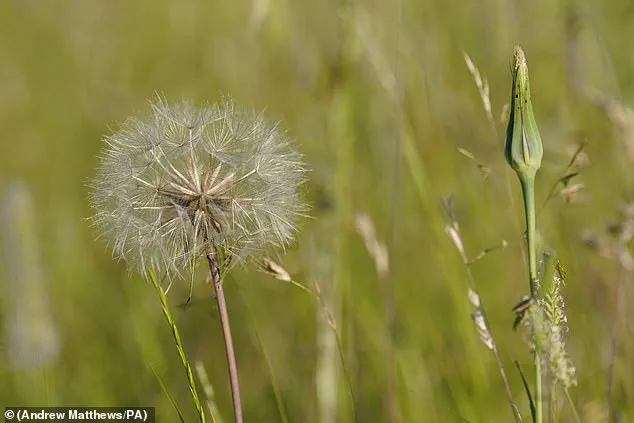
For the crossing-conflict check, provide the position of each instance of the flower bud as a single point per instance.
(523, 149)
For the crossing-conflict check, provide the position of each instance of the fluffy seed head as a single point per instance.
(188, 181)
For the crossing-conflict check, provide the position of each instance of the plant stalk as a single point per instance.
(494, 348)
(572, 406)
(507, 388)
(528, 192)
(226, 332)
(613, 339)
(181, 354)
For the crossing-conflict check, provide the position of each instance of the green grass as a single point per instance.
(378, 97)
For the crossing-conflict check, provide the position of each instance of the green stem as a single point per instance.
(572, 406)
(180, 349)
(528, 191)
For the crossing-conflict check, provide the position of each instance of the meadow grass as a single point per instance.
(379, 99)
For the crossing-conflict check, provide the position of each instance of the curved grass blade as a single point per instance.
(526, 388)
(168, 395)
(179, 347)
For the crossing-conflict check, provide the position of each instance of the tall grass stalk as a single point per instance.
(618, 309)
(208, 389)
(618, 250)
(273, 269)
(338, 294)
(279, 401)
(326, 321)
(179, 347)
(575, 413)
(169, 396)
(453, 230)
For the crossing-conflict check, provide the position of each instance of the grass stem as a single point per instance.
(613, 341)
(572, 406)
(181, 352)
(454, 231)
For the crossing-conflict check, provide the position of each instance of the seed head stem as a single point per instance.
(226, 332)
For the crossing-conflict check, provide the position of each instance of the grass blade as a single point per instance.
(168, 395)
(179, 347)
(526, 388)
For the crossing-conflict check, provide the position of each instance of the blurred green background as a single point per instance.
(379, 98)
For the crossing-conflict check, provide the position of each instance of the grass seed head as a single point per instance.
(553, 306)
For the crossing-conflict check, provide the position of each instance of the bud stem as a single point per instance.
(528, 192)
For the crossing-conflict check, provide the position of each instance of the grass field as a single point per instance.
(381, 103)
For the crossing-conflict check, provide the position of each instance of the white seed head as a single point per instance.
(188, 181)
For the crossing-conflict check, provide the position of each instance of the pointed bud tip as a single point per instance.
(519, 58)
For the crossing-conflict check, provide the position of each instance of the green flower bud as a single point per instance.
(523, 149)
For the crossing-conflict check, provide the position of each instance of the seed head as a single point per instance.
(554, 311)
(188, 181)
